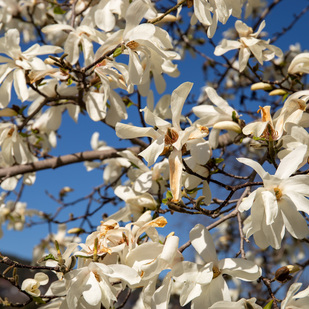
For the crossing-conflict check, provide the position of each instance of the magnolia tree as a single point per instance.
(234, 160)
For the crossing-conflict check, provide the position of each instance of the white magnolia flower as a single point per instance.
(135, 203)
(296, 301)
(241, 304)
(31, 286)
(204, 285)
(82, 35)
(272, 128)
(92, 286)
(209, 12)
(219, 116)
(300, 64)
(16, 63)
(168, 137)
(276, 205)
(296, 136)
(248, 44)
(140, 41)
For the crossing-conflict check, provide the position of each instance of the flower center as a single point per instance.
(216, 271)
(278, 193)
(171, 137)
(132, 45)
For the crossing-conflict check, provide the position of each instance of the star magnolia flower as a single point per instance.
(300, 64)
(168, 138)
(218, 116)
(248, 44)
(138, 41)
(296, 301)
(90, 285)
(277, 204)
(14, 67)
(204, 285)
(296, 136)
(241, 304)
(31, 286)
(220, 10)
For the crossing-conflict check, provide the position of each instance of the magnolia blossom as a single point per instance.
(209, 12)
(300, 64)
(241, 304)
(139, 41)
(276, 205)
(82, 35)
(204, 284)
(91, 285)
(248, 44)
(296, 301)
(219, 116)
(272, 128)
(16, 63)
(169, 138)
(31, 286)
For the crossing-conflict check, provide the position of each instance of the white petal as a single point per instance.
(175, 163)
(253, 164)
(290, 163)
(240, 268)
(178, 98)
(129, 131)
(270, 205)
(203, 243)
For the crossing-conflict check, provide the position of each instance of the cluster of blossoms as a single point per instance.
(103, 54)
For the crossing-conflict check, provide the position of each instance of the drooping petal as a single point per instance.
(240, 268)
(294, 222)
(203, 243)
(290, 163)
(253, 164)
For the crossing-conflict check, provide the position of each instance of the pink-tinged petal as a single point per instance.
(270, 205)
(290, 163)
(178, 98)
(240, 268)
(175, 163)
(294, 222)
(129, 131)
(203, 243)
(253, 164)
(153, 151)
(216, 291)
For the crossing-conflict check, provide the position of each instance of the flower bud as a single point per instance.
(278, 92)
(261, 86)
(283, 273)
(228, 125)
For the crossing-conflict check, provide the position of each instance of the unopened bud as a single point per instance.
(228, 125)
(261, 86)
(283, 273)
(278, 92)
(76, 230)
